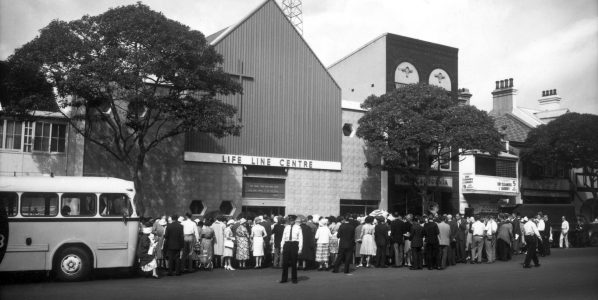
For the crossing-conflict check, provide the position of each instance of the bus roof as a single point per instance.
(66, 184)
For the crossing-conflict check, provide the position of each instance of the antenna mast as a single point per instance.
(292, 9)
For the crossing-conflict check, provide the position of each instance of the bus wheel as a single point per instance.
(73, 264)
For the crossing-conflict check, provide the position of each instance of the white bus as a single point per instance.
(68, 225)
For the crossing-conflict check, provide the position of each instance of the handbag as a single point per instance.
(229, 244)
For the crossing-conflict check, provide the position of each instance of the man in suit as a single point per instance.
(461, 237)
(517, 236)
(444, 240)
(396, 238)
(174, 241)
(291, 245)
(452, 250)
(417, 242)
(266, 222)
(381, 237)
(432, 247)
(346, 236)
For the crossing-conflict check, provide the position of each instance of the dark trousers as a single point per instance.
(452, 253)
(380, 255)
(187, 250)
(174, 261)
(432, 255)
(344, 256)
(416, 253)
(460, 251)
(531, 255)
(546, 243)
(503, 250)
(290, 251)
(443, 256)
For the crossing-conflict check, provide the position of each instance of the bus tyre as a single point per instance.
(73, 264)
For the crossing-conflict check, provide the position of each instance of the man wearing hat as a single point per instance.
(291, 245)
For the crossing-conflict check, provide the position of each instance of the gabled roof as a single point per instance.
(513, 128)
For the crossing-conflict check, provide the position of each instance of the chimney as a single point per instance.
(464, 96)
(550, 100)
(503, 97)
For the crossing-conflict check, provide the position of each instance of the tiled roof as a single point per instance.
(513, 127)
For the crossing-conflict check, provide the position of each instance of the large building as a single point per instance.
(382, 65)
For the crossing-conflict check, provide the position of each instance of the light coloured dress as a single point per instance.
(228, 235)
(333, 245)
(218, 228)
(368, 244)
(257, 233)
(323, 239)
(206, 238)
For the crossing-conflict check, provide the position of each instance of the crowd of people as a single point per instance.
(183, 244)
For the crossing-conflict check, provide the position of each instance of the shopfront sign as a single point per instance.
(444, 181)
(233, 159)
(472, 183)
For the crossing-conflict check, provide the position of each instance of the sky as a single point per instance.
(541, 44)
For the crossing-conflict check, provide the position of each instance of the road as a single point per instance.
(566, 274)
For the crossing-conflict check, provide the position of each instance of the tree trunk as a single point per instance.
(138, 181)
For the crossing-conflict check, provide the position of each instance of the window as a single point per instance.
(8, 203)
(13, 135)
(39, 204)
(197, 207)
(269, 188)
(32, 136)
(347, 129)
(115, 205)
(495, 167)
(82, 204)
(227, 208)
(360, 207)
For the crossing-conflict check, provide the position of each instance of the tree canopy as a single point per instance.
(571, 139)
(420, 127)
(135, 77)
(23, 89)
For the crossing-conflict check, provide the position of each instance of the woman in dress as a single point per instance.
(308, 253)
(145, 251)
(229, 244)
(323, 239)
(333, 244)
(206, 238)
(218, 227)
(158, 230)
(368, 245)
(258, 232)
(242, 236)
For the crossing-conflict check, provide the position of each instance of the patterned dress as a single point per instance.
(323, 239)
(333, 245)
(207, 241)
(242, 243)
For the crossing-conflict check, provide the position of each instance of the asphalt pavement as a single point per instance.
(566, 274)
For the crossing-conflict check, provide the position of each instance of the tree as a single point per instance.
(419, 127)
(570, 139)
(23, 90)
(129, 79)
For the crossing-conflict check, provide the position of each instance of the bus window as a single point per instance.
(115, 205)
(80, 204)
(39, 204)
(8, 202)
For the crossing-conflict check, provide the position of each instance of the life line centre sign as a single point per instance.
(246, 160)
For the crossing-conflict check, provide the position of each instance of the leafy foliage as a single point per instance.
(419, 125)
(571, 139)
(24, 89)
(135, 77)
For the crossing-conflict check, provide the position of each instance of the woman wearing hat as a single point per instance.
(229, 244)
(323, 238)
(242, 243)
(368, 245)
(145, 251)
(258, 232)
(158, 230)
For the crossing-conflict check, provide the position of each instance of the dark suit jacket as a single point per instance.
(454, 230)
(174, 236)
(431, 233)
(417, 235)
(381, 234)
(346, 236)
(396, 231)
(462, 232)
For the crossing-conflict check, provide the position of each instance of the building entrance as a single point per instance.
(264, 210)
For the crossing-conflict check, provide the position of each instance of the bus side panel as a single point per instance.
(116, 243)
(24, 256)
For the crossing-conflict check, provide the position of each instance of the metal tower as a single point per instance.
(292, 9)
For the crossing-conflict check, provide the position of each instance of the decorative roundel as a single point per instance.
(406, 73)
(440, 78)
